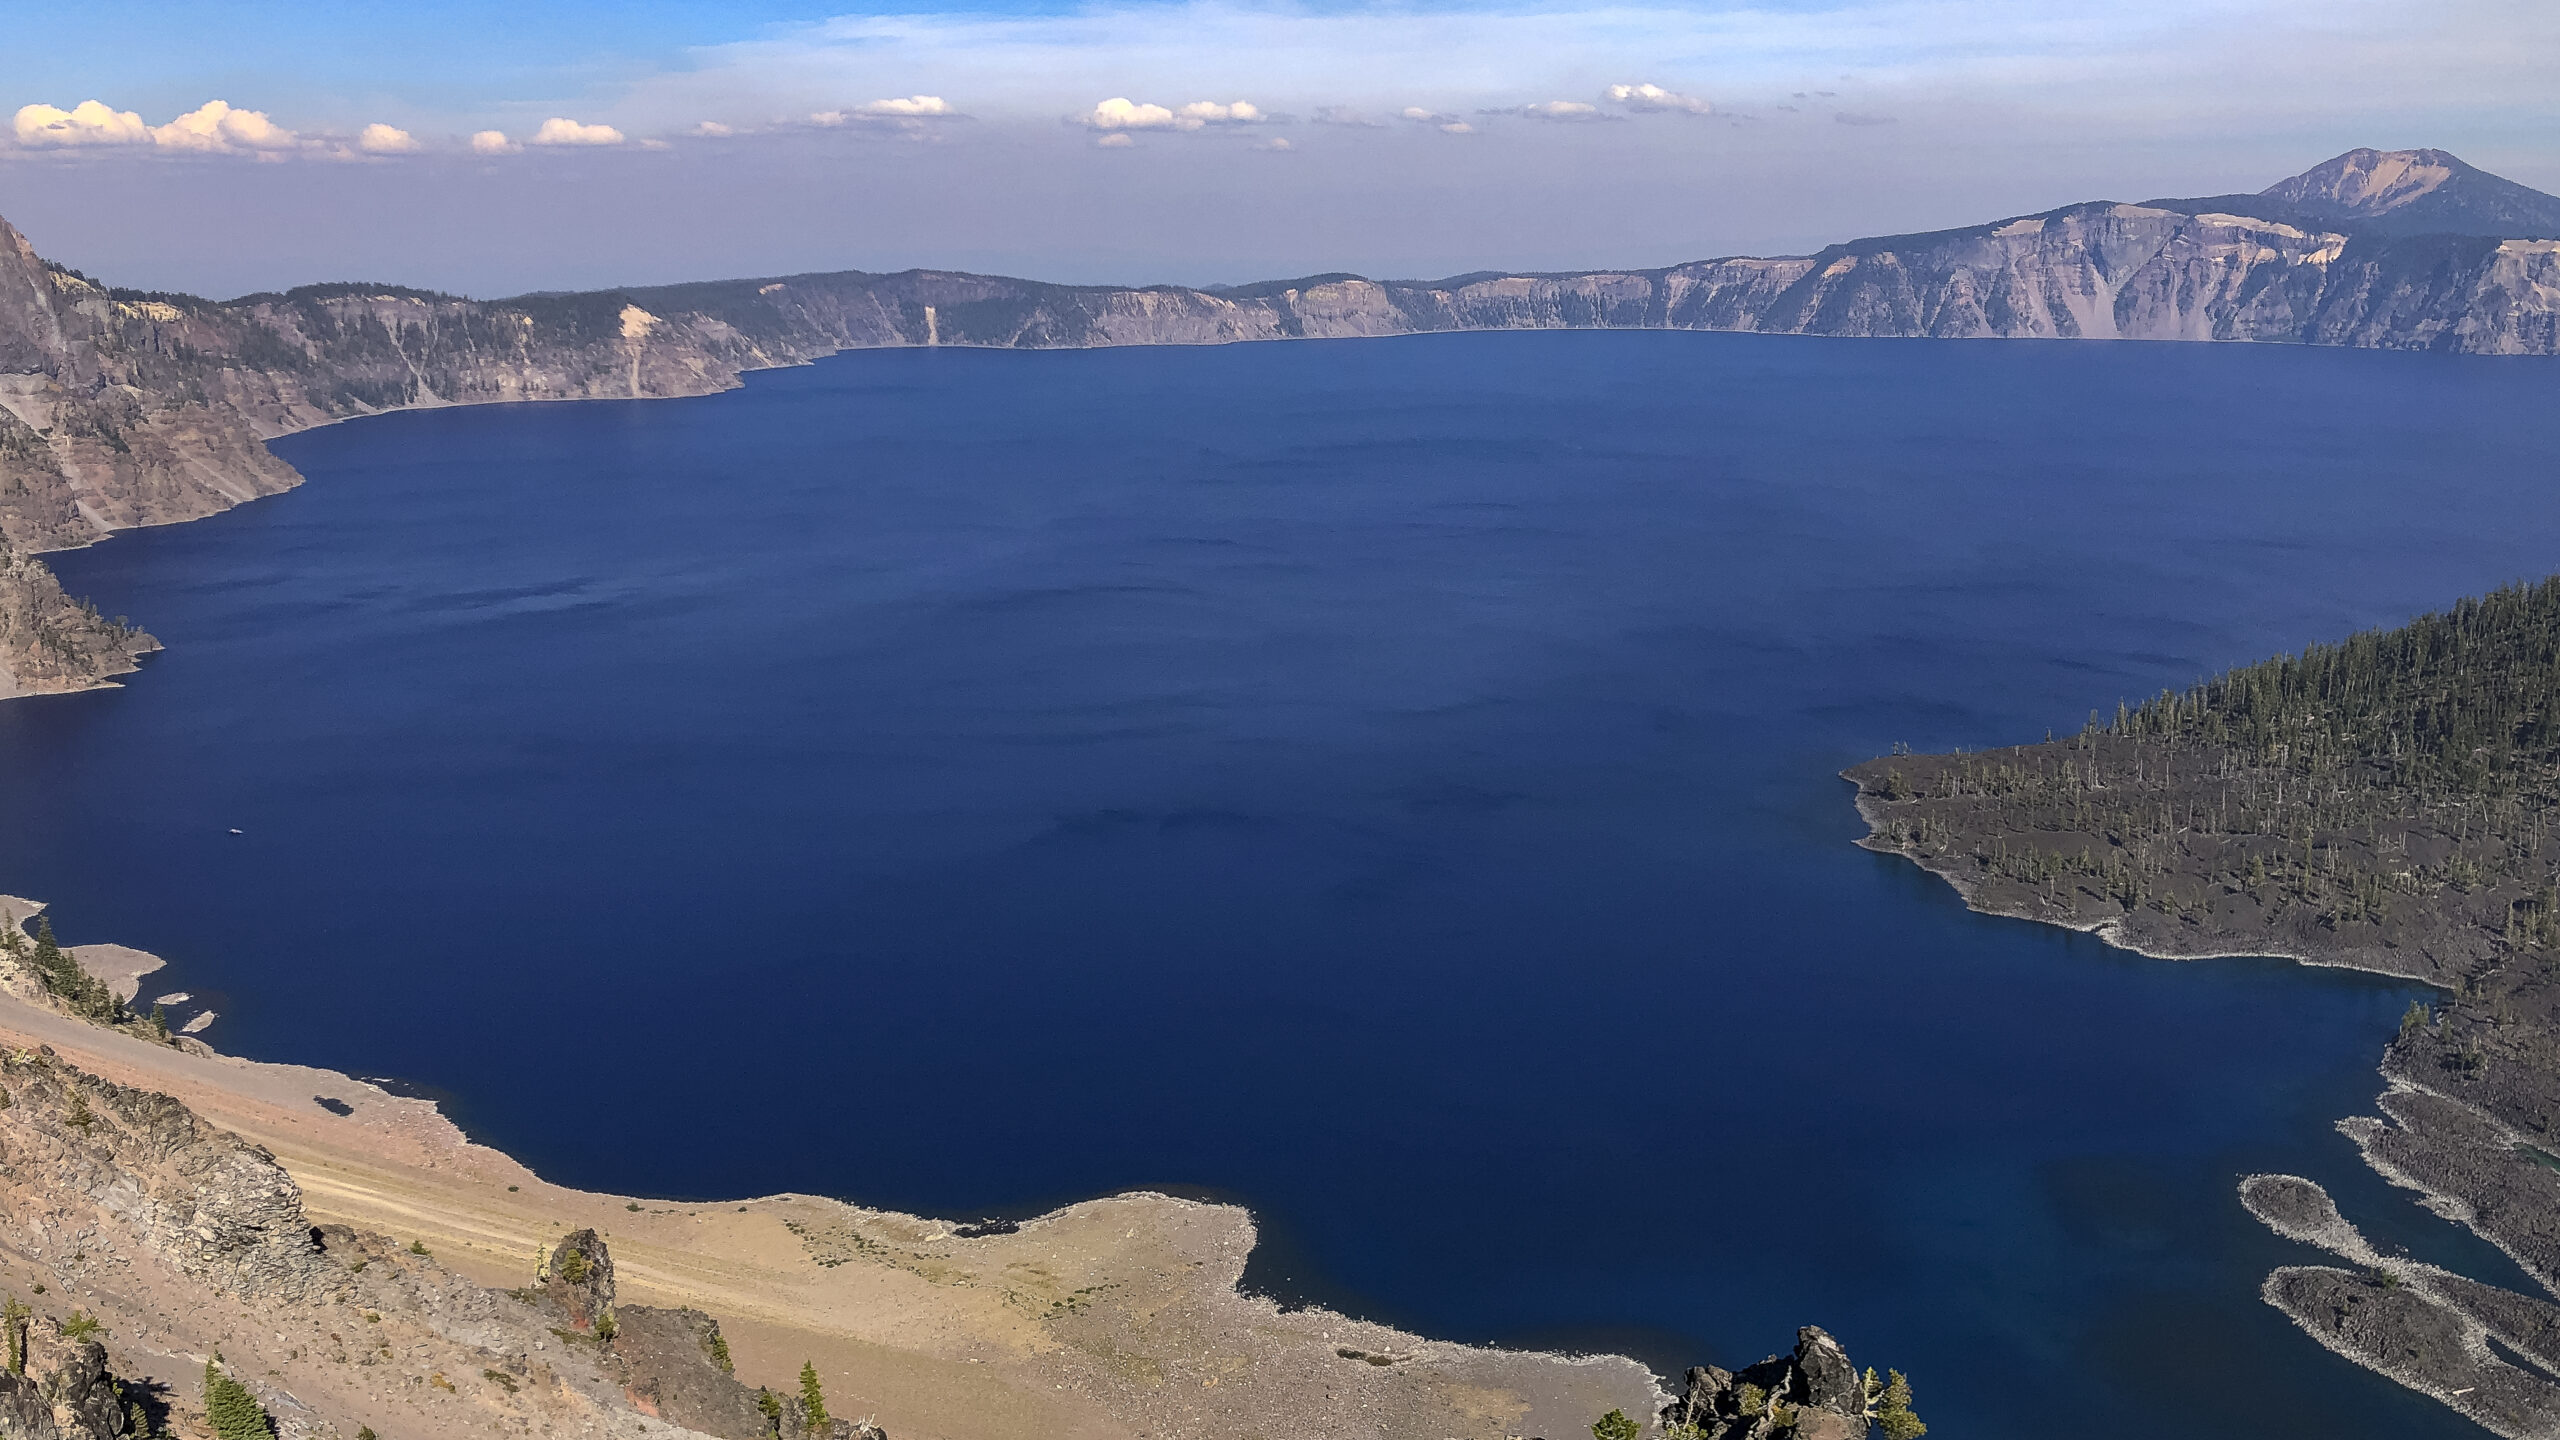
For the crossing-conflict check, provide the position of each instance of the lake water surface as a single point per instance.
(1389, 783)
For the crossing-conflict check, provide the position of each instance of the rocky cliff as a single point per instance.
(122, 408)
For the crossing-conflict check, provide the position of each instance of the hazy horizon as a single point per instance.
(492, 150)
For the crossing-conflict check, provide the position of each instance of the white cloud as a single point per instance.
(1996, 69)
(214, 127)
(914, 107)
(560, 130)
(1444, 122)
(1567, 110)
(493, 142)
(1116, 140)
(713, 128)
(1653, 99)
(1122, 113)
(655, 145)
(90, 122)
(379, 139)
(1345, 115)
(1275, 144)
(1209, 112)
(911, 116)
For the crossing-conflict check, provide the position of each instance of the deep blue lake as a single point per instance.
(1389, 783)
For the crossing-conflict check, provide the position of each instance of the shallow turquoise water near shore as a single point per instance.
(1388, 783)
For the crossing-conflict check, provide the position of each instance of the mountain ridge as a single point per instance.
(2418, 192)
(122, 407)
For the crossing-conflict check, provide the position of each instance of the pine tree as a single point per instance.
(233, 1412)
(813, 1401)
(1889, 1405)
(1615, 1426)
(14, 1317)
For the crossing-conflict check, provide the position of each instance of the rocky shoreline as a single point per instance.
(2179, 851)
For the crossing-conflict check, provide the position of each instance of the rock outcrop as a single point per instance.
(1813, 1394)
(203, 1202)
(576, 1279)
(64, 1391)
(673, 1364)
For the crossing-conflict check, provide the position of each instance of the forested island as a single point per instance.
(2385, 803)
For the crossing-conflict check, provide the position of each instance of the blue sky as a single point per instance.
(497, 146)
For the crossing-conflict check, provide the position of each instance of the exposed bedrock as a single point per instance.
(59, 1389)
(1812, 1394)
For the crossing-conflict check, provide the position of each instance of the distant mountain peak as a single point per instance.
(2371, 182)
(2415, 192)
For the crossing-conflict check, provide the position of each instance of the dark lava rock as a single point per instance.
(1814, 1394)
(577, 1279)
(1824, 1377)
(2291, 1205)
(2528, 1323)
(2416, 1341)
(671, 1367)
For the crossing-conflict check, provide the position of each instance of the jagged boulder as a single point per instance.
(73, 1397)
(577, 1280)
(675, 1366)
(1824, 1377)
